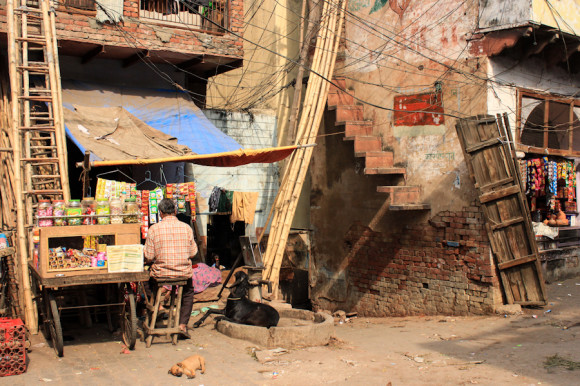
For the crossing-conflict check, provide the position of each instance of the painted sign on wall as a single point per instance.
(419, 110)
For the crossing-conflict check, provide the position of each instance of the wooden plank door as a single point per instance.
(490, 156)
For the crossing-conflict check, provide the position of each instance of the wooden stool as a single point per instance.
(172, 329)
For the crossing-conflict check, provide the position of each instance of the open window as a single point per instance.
(548, 124)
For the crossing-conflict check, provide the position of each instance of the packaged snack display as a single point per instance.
(116, 209)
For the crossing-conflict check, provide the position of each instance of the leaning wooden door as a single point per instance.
(490, 157)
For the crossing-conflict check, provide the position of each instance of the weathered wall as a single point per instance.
(136, 33)
(253, 130)
(561, 14)
(271, 36)
(380, 262)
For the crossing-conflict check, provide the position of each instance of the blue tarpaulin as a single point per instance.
(171, 112)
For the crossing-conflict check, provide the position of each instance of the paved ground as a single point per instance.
(440, 350)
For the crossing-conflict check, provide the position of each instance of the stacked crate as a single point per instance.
(12, 347)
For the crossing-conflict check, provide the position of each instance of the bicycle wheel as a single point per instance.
(129, 320)
(54, 326)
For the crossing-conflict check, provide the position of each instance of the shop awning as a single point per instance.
(111, 133)
(169, 111)
(227, 159)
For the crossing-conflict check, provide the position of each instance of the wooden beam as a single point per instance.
(190, 63)
(220, 69)
(520, 261)
(496, 195)
(93, 54)
(131, 60)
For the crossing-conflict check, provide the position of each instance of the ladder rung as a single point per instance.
(38, 69)
(39, 176)
(31, 40)
(40, 90)
(43, 147)
(37, 98)
(49, 161)
(37, 128)
(46, 191)
(27, 9)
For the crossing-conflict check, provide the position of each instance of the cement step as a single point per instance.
(377, 159)
(380, 171)
(349, 113)
(367, 144)
(402, 195)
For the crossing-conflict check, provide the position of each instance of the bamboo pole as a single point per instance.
(29, 313)
(331, 29)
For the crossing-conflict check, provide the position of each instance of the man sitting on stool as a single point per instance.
(169, 249)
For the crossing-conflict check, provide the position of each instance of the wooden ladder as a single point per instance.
(39, 153)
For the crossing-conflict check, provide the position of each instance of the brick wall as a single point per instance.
(136, 33)
(440, 267)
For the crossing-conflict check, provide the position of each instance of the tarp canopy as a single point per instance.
(171, 112)
(112, 133)
(233, 158)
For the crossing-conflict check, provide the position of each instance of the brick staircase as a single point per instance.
(370, 147)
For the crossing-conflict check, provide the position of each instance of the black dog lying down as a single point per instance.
(239, 309)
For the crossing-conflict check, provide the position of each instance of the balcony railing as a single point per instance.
(206, 15)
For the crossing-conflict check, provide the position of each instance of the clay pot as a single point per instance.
(552, 221)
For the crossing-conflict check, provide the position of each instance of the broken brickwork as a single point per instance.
(443, 267)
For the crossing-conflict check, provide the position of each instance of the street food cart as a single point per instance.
(64, 262)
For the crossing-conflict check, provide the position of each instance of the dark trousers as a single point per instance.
(186, 299)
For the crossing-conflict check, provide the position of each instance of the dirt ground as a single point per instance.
(435, 350)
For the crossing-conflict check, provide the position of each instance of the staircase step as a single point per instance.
(339, 98)
(371, 171)
(402, 195)
(410, 207)
(367, 144)
(354, 128)
(340, 82)
(377, 159)
(349, 113)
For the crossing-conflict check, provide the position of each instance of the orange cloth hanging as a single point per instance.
(244, 207)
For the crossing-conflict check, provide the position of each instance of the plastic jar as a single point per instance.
(104, 209)
(131, 211)
(44, 210)
(59, 211)
(116, 209)
(89, 207)
(74, 209)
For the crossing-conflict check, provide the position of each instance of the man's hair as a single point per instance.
(166, 206)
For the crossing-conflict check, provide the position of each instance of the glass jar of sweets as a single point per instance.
(74, 209)
(103, 209)
(59, 212)
(44, 210)
(131, 211)
(89, 209)
(116, 209)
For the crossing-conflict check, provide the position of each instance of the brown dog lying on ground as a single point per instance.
(188, 367)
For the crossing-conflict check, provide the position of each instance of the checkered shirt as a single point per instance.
(169, 246)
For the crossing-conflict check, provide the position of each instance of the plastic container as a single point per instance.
(103, 208)
(74, 209)
(116, 209)
(44, 210)
(131, 211)
(59, 211)
(89, 206)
